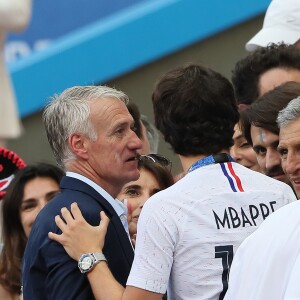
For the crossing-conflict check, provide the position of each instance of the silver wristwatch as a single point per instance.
(88, 260)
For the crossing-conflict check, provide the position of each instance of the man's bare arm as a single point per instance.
(79, 237)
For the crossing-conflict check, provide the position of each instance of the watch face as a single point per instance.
(86, 262)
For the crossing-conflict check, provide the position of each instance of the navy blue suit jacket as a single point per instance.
(48, 271)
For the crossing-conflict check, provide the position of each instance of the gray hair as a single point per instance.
(290, 113)
(69, 112)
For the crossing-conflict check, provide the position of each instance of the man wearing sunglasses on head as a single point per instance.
(189, 232)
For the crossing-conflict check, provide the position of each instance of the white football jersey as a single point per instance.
(188, 233)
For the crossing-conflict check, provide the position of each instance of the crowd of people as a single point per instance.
(112, 221)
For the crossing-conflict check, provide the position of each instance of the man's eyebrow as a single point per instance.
(119, 124)
(295, 146)
(256, 147)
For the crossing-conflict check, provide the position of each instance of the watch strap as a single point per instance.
(99, 256)
(94, 258)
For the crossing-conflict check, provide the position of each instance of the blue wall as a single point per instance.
(52, 19)
(122, 41)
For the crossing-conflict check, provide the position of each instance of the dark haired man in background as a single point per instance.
(264, 69)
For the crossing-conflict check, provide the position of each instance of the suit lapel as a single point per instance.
(78, 185)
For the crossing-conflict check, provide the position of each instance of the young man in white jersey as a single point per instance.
(188, 233)
(267, 264)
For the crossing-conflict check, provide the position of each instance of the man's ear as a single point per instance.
(77, 144)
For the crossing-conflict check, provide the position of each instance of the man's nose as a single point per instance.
(135, 142)
(291, 164)
(272, 158)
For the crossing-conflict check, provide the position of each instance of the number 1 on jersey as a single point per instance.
(226, 253)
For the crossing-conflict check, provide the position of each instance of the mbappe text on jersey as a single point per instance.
(242, 217)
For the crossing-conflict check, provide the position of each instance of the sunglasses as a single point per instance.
(156, 158)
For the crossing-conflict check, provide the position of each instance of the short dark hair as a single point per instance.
(195, 110)
(264, 111)
(247, 71)
(136, 115)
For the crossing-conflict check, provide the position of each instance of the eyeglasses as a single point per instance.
(156, 158)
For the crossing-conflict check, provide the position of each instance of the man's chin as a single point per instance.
(135, 175)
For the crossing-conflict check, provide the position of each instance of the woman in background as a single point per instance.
(155, 176)
(27, 194)
(242, 152)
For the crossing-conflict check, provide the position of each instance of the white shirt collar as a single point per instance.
(117, 205)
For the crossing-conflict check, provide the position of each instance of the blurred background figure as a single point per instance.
(14, 16)
(152, 134)
(139, 127)
(144, 129)
(155, 175)
(28, 193)
(281, 24)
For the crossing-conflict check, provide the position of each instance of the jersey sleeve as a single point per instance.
(156, 239)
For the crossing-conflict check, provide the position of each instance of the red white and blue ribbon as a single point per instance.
(225, 161)
(233, 179)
